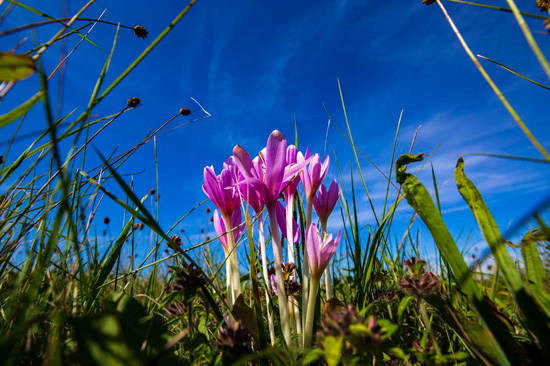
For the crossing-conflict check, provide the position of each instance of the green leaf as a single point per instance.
(15, 67)
(17, 112)
(333, 349)
(536, 319)
(420, 200)
(244, 313)
(124, 335)
(312, 356)
(402, 307)
(101, 342)
(534, 269)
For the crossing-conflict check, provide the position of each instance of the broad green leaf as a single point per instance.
(17, 112)
(100, 341)
(15, 67)
(420, 200)
(333, 349)
(534, 268)
(536, 319)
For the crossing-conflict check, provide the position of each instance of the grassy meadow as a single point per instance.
(361, 296)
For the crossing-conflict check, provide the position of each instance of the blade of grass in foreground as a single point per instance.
(420, 200)
(514, 72)
(496, 90)
(147, 218)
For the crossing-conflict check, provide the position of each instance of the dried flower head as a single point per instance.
(140, 31)
(141, 225)
(152, 191)
(188, 277)
(208, 210)
(421, 286)
(233, 339)
(344, 321)
(185, 111)
(133, 102)
(428, 2)
(106, 220)
(337, 318)
(546, 25)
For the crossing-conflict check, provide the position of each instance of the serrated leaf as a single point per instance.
(15, 67)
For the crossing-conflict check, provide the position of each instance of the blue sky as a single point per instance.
(254, 65)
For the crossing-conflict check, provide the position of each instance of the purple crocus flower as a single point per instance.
(320, 251)
(221, 190)
(281, 220)
(325, 201)
(277, 173)
(314, 175)
(219, 227)
(291, 158)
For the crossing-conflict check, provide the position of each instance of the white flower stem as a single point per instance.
(232, 263)
(308, 330)
(293, 305)
(278, 258)
(305, 267)
(261, 239)
(328, 277)
(289, 231)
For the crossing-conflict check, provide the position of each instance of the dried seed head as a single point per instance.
(152, 191)
(428, 2)
(136, 226)
(546, 25)
(176, 240)
(140, 31)
(206, 238)
(185, 111)
(106, 220)
(212, 219)
(544, 5)
(133, 102)
(141, 226)
(207, 210)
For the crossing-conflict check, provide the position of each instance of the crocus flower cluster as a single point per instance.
(269, 183)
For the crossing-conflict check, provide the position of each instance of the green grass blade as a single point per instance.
(529, 37)
(535, 16)
(44, 15)
(19, 111)
(514, 72)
